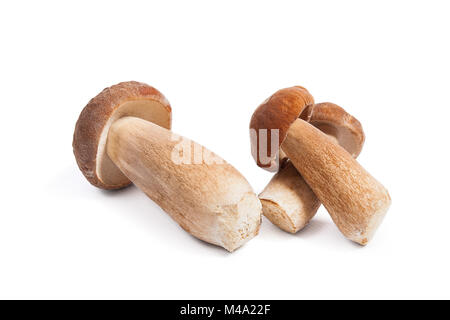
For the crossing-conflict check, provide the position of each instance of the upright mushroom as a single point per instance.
(356, 201)
(287, 200)
(123, 135)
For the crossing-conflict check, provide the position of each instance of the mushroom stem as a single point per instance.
(211, 201)
(356, 201)
(287, 201)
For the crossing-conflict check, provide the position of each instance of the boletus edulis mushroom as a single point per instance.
(356, 201)
(123, 136)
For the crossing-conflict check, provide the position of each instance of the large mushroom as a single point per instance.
(356, 201)
(123, 135)
(287, 200)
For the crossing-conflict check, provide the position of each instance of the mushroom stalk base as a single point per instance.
(356, 201)
(287, 200)
(211, 201)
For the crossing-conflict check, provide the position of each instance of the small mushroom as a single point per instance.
(356, 201)
(287, 200)
(123, 135)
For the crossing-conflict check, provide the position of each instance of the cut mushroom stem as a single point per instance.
(212, 202)
(123, 136)
(356, 201)
(287, 200)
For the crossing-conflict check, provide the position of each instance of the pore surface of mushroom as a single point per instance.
(287, 200)
(123, 136)
(356, 201)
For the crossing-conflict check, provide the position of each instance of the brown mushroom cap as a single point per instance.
(91, 131)
(336, 122)
(279, 111)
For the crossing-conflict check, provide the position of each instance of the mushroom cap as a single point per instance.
(279, 111)
(91, 131)
(336, 122)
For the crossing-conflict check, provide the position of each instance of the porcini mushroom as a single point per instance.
(356, 201)
(287, 200)
(123, 135)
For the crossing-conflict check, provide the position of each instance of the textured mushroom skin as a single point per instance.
(94, 118)
(356, 201)
(279, 111)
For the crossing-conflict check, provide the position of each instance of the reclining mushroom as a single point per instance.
(123, 135)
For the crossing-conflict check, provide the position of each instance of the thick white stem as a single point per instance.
(211, 201)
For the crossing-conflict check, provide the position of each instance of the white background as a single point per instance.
(386, 62)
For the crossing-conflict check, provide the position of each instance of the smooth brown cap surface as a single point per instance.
(91, 131)
(336, 122)
(279, 111)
